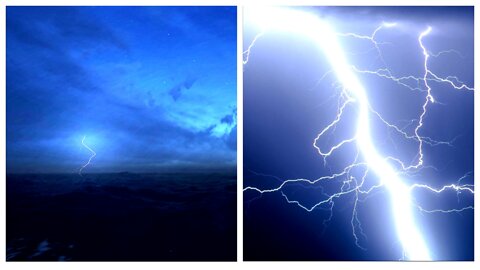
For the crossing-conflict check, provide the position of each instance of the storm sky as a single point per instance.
(289, 98)
(151, 88)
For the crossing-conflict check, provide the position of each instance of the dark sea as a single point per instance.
(121, 217)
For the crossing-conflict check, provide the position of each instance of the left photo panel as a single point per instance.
(121, 127)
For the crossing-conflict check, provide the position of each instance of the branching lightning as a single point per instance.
(368, 159)
(91, 157)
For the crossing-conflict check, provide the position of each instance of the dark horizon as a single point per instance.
(224, 170)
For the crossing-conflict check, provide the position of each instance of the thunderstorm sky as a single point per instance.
(152, 88)
(279, 132)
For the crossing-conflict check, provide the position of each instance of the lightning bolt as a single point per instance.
(90, 159)
(390, 171)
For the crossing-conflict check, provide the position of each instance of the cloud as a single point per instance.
(227, 119)
(230, 118)
(176, 91)
(231, 139)
(56, 27)
(62, 84)
(44, 40)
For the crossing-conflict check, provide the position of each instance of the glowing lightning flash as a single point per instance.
(353, 92)
(91, 157)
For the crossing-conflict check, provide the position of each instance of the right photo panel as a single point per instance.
(358, 133)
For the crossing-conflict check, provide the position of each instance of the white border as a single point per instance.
(239, 132)
(240, 264)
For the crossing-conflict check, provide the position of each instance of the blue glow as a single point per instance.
(152, 88)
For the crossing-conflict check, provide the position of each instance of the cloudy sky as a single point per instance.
(151, 88)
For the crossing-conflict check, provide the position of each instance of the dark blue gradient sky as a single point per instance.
(152, 88)
(286, 106)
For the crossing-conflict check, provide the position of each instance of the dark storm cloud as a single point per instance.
(47, 36)
(55, 27)
(231, 138)
(228, 119)
(176, 91)
(92, 71)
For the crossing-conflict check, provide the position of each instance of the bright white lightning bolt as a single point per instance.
(353, 92)
(91, 157)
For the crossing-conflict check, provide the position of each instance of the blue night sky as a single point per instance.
(152, 88)
(286, 106)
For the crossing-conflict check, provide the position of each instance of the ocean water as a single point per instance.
(121, 217)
